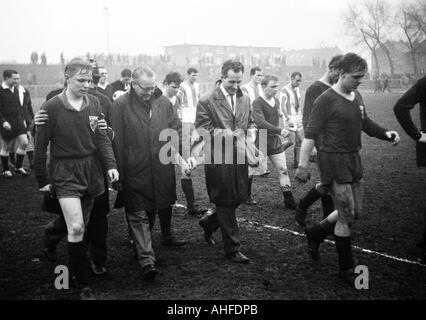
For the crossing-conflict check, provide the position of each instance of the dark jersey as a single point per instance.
(340, 122)
(312, 93)
(73, 134)
(414, 95)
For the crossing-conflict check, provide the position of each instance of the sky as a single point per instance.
(76, 27)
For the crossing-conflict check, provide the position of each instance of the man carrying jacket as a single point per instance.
(224, 114)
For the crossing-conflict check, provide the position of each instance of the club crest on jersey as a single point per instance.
(93, 120)
(361, 108)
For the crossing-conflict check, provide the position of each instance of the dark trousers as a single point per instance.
(95, 235)
(225, 219)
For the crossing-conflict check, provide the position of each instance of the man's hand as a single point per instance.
(7, 126)
(192, 163)
(238, 133)
(40, 118)
(113, 175)
(290, 123)
(285, 133)
(102, 123)
(46, 189)
(302, 174)
(393, 136)
(422, 138)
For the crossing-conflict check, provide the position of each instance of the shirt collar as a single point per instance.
(68, 106)
(103, 86)
(225, 93)
(4, 86)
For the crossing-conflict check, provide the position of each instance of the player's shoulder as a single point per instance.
(52, 104)
(258, 101)
(421, 83)
(327, 97)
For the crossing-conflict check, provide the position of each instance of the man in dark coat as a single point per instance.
(224, 114)
(416, 94)
(148, 184)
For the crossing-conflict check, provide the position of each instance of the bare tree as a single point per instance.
(353, 27)
(410, 29)
(370, 22)
(417, 15)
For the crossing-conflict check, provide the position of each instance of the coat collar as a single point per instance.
(218, 95)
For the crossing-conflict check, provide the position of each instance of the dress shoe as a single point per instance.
(172, 242)
(196, 211)
(207, 233)
(265, 174)
(97, 269)
(238, 257)
(149, 272)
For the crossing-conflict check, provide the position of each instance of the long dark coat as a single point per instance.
(227, 184)
(147, 184)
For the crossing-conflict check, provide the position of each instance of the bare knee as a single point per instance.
(77, 229)
(283, 170)
(345, 208)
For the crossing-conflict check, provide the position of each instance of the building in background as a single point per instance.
(214, 55)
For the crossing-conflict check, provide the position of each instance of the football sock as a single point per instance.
(344, 252)
(30, 155)
(327, 205)
(312, 196)
(78, 262)
(250, 182)
(12, 157)
(5, 162)
(19, 160)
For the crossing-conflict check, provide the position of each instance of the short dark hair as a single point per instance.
(126, 73)
(139, 71)
(8, 73)
(254, 69)
(351, 62)
(295, 74)
(334, 62)
(96, 75)
(267, 78)
(173, 77)
(191, 70)
(77, 65)
(233, 65)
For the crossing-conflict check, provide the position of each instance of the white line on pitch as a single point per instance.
(332, 242)
(326, 240)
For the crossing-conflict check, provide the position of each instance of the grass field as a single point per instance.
(392, 222)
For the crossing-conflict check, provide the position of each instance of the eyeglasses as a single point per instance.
(146, 89)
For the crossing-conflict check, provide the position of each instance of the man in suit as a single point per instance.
(223, 116)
